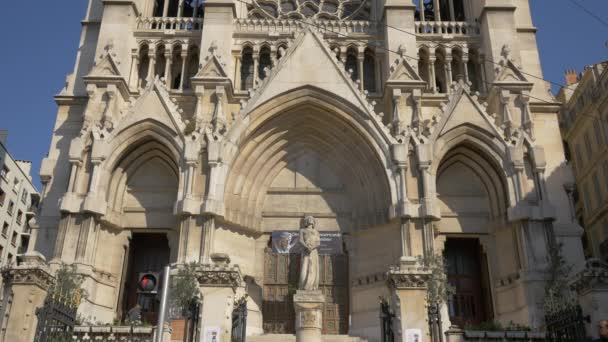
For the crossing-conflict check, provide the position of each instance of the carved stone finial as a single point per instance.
(401, 51)
(213, 47)
(505, 52)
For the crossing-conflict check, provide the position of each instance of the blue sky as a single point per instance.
(36, 59)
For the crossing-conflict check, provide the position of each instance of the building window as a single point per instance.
(10, 258)
(4, 172)
(24, 196)
(369, 71)
(351, 64)
(10, 208)
(265, 62)
(14, 239)
(1, 252)
(19, 216)
(2, 197)
(16, 185)
(5, 227)
(247, 69)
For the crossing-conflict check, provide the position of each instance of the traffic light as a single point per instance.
(148, 283)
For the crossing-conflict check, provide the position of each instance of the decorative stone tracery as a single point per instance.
(316, 9)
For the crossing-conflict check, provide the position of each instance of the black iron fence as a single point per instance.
(56, 319)
(239, 321)
(435, 324)
(386, 321)
(567, 325)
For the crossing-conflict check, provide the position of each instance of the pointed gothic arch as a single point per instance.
(302, 123)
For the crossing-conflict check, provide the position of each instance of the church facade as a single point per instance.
(206, 132)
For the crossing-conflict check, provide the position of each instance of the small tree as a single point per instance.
(68, 286)
(184, 289)
(557, 295)
(438, 287)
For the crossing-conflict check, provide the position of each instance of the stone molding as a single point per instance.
(593, 276)
(220, 273)
(408, 278)
(29, 276)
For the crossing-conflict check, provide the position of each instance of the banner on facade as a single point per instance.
(286, 242)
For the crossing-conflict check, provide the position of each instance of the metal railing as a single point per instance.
(460, 28)
(164, 24)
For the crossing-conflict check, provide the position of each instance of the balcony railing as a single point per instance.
(169, 24)
(112, 333)
(289, 26)
(457, 28)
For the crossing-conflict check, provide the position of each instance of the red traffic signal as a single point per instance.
(148, 282)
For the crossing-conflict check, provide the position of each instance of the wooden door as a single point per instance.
(281, 274)
(467, 305)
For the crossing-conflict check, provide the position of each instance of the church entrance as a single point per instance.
(281, 273)
(468, 273)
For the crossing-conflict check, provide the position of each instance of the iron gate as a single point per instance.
(386, 321)
(567, 325)
(435, 325)
(239, 321)
(56, 319)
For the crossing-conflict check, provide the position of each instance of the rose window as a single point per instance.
(316, 9)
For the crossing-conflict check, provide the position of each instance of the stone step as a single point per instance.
(292, 338)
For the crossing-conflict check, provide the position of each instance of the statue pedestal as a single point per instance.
(309, 315)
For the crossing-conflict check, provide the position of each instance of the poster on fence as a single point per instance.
(286, 242)
(212, 334)
(413, 335)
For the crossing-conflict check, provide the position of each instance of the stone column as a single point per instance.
(256, 64)
(452, 12)
(180, 9)
(432, 78)
(218, 285)
(448, 73)
(25, 290)
(309, 315)
(184, 55)
(151, 66)
(421, 4)
(482, 73)
(436, 7)
(166, 8)
(465, 69)
(168, 66)
(360, 58)
(237, 72)
(408, 289)
(134, 80)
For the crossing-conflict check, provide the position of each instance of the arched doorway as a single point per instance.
(307, 159)
(472, 198)
(141, 193)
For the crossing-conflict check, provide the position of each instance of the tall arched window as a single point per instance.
(369, 71)
(247, 69)
(144, 65)
(192, 65)
(158, 8)
(176, 71)
(423, 67)
(265, 62)
(351, 64)
(161, 61)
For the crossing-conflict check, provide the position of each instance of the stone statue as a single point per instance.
(309, 270)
